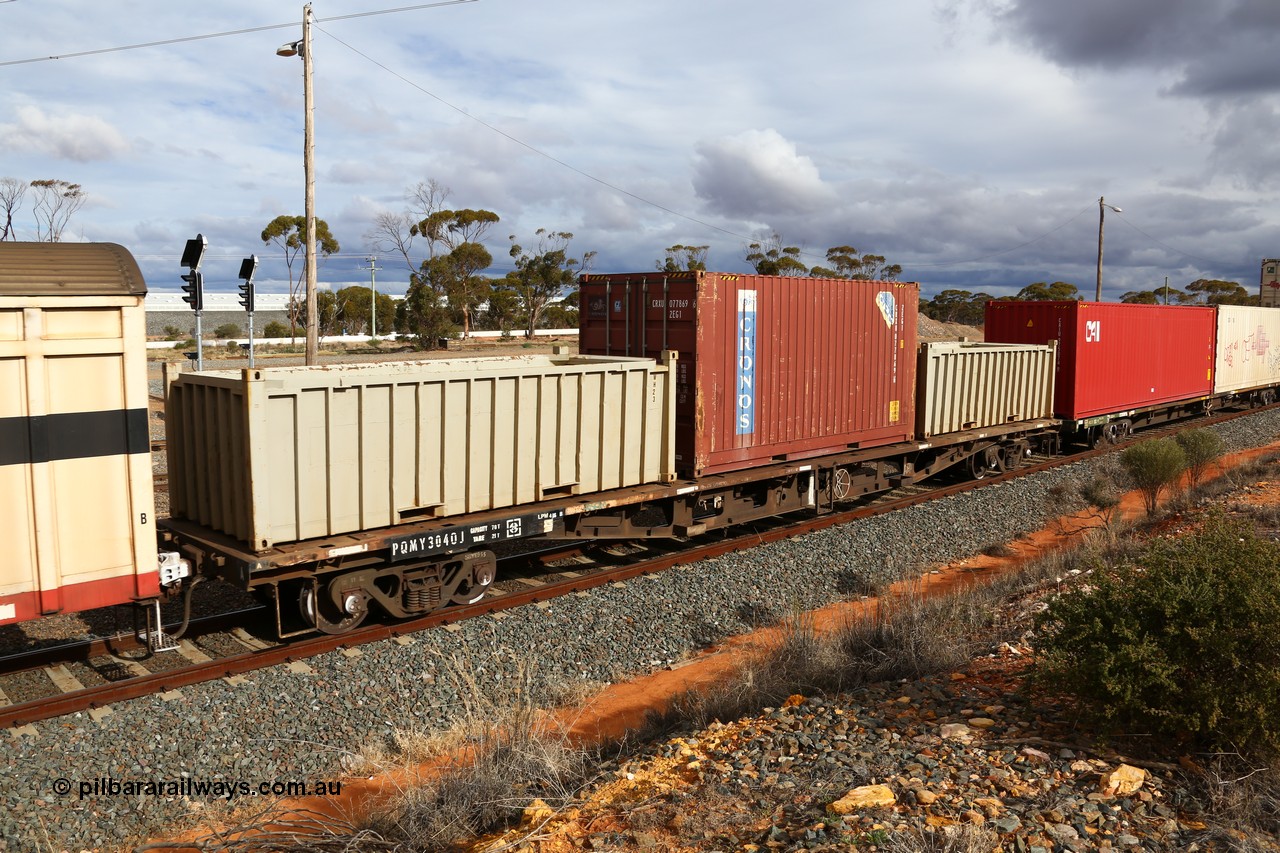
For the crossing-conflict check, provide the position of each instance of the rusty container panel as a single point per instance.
(1248, 348)
(967, 386)
(278, 455)
(1114, 357)
(77, 510)
(771, 368)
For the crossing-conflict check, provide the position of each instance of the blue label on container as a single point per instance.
(888, 307)
(745, 422)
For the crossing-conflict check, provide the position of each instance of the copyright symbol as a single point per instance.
(62, 787)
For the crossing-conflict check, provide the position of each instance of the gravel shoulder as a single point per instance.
(298, 723)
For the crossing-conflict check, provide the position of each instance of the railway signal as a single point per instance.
(192, 254)
(248, 267)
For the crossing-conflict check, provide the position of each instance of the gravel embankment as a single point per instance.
(284, 725)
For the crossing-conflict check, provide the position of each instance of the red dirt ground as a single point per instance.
(623, 707)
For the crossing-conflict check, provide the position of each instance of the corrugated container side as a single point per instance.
(1114, 357)
(771, 368)
(965, 386)
(1270, 285)
(1248, 348)
(76, 491)
(340, 449)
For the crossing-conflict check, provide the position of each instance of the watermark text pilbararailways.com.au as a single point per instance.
(227, 789)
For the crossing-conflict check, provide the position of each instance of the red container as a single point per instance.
(770, 368)
(1114, 357)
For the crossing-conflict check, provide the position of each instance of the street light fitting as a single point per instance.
(1113, 207)
(293, 48)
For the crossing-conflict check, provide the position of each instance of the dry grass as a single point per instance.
(909, 636)
(491, 769)
(482, 776)
(960, 838)
(1240, 802)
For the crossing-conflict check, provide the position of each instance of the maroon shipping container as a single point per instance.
(1114, 357)
(770, 368)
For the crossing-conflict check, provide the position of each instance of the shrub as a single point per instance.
(1201, 447)
(1152, 465)
(1184, 641)
(275, 329)
(227, 330)
(1102, 494)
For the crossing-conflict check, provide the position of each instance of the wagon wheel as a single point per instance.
(1111, 433)
(320, 610)
(479, 577)
(841, 483)
(985, 462)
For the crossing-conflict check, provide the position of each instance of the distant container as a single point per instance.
(1270, 287)
(1248, 348)
(771, 368)
(277, 455)
(973, 386)
(77, 514)
(1114, 357)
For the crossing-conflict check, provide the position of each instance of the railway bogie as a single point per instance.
(712, 401)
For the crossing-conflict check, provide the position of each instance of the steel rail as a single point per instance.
(84, 650)
(99, 696)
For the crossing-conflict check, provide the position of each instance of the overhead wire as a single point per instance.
(1125, 220)
(1005, 251)
(533, 149)
(240, 32)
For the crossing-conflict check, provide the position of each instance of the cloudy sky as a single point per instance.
(968, 141)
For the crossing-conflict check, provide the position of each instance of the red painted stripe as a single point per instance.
(83, 596)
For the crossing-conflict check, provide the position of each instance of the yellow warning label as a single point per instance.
(894, 411)
(1030, 323)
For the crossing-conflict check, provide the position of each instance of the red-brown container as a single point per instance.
(1114, 357)
(770, 368)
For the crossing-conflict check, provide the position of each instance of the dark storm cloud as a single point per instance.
(1216, 47)
(1237, 149)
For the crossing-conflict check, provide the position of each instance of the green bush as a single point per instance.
(1184, 642)
(227, 330)
(1201, 448)
(275, 329)
(1152, 465)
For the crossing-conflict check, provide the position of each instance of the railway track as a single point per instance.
(523, 579)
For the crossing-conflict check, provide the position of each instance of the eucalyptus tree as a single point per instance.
(544, 274)
(289, 233)
(55, 202)
(680, 258)
(12, 192)
(454, 266)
